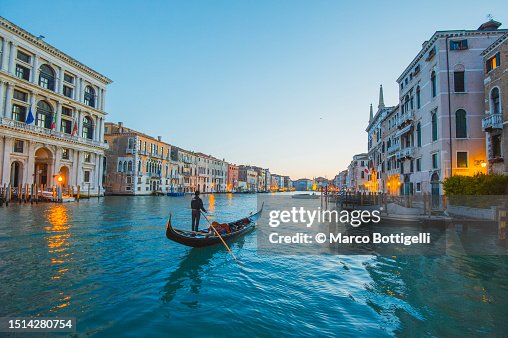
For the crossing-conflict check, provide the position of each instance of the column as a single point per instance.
(102, 130)
(81, 90)
(5, 45)
(12, 58)
(99, 99)
(2, 101)
(35, 70)
(96, 176)
(29, 170)
(77, 164)
(95, 135)
(58, 116)
(6, 166)
(8, 100)
(76, 89)
(103, 101)
(59, 89)
(80, 123)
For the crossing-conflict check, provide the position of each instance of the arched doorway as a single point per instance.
(64, 173)
(42, 171)
(16, 174)
(434, 184)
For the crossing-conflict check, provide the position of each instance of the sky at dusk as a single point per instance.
(279, 84)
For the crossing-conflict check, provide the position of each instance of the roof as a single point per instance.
(495, 44)
(51, 50)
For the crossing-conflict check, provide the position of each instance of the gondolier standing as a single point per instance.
(196, 206)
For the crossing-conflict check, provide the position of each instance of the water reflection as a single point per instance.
(59, 247)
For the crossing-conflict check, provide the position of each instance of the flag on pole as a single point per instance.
(53, 124)
(30, 117)
(74, 126)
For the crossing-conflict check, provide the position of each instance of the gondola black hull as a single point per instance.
(189, 238)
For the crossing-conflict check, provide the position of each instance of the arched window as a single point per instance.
(47, 77)
(434, 126)
(433, 83)
(90, 96)
(494, 101)
(419, 134)
(147, 167)
(418, 100)
(44, 115)
(129, 166)
(139, 166)
(87, 128)
(125, 166)
(460, 124)
(120, 166)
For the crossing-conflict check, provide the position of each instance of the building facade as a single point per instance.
(495, 120)
(52, 112)
(357, 173)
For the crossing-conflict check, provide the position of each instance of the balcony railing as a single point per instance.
(406, 153)
(406, 117)
(30, 128)
(393, 148)
(492, 121)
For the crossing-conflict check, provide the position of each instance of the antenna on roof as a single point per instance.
(490, 17)
(41, 37)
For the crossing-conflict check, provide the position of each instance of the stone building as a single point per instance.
(495, 122)
(138, 164)
(52, 111)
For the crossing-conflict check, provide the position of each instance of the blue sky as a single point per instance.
(279, 84)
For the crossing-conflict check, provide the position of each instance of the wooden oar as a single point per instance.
(222, 239)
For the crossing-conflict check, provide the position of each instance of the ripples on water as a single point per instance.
(108, 263)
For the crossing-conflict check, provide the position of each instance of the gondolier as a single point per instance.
(196, 206)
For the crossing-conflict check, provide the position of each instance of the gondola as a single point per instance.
(202, 238)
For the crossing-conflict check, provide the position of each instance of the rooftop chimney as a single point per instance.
(120, 127)
(159, 138)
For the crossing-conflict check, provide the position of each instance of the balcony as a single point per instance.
(393, 148)
(492, 122)
(405, 118)
(406, 153)
(36, 130)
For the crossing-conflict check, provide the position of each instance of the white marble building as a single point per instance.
(65, 98)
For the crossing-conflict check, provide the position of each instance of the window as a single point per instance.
(66, 126)
(130, 143)
(493, 62)
(411, 166)
(129, 166)
(363, 174)
(89, 96)
(67, 111)
(21, 96)
(458, 81)
(68, 91)
(22, 72)
(18, 146)
(460, 124)
(419, 134)
(417, 69)
(68, 78)
(418, 187)
(433, 83)
(65, 154)
(418, 164)
(496, 146)
(88, 157)
(434, 161)
(87, 176)
(458, 45)
(44, 115)
(47, 77)
(23, 57)
(461, 159)
(120, 166)
(434, 126)
(18, 113)
(87, 128)
(418, 97)
(431, 54)
(494, 101)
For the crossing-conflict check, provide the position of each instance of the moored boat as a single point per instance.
(204, 238)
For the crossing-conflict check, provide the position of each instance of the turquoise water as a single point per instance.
(107, 263)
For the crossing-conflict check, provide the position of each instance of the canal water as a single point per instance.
(107, 262)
